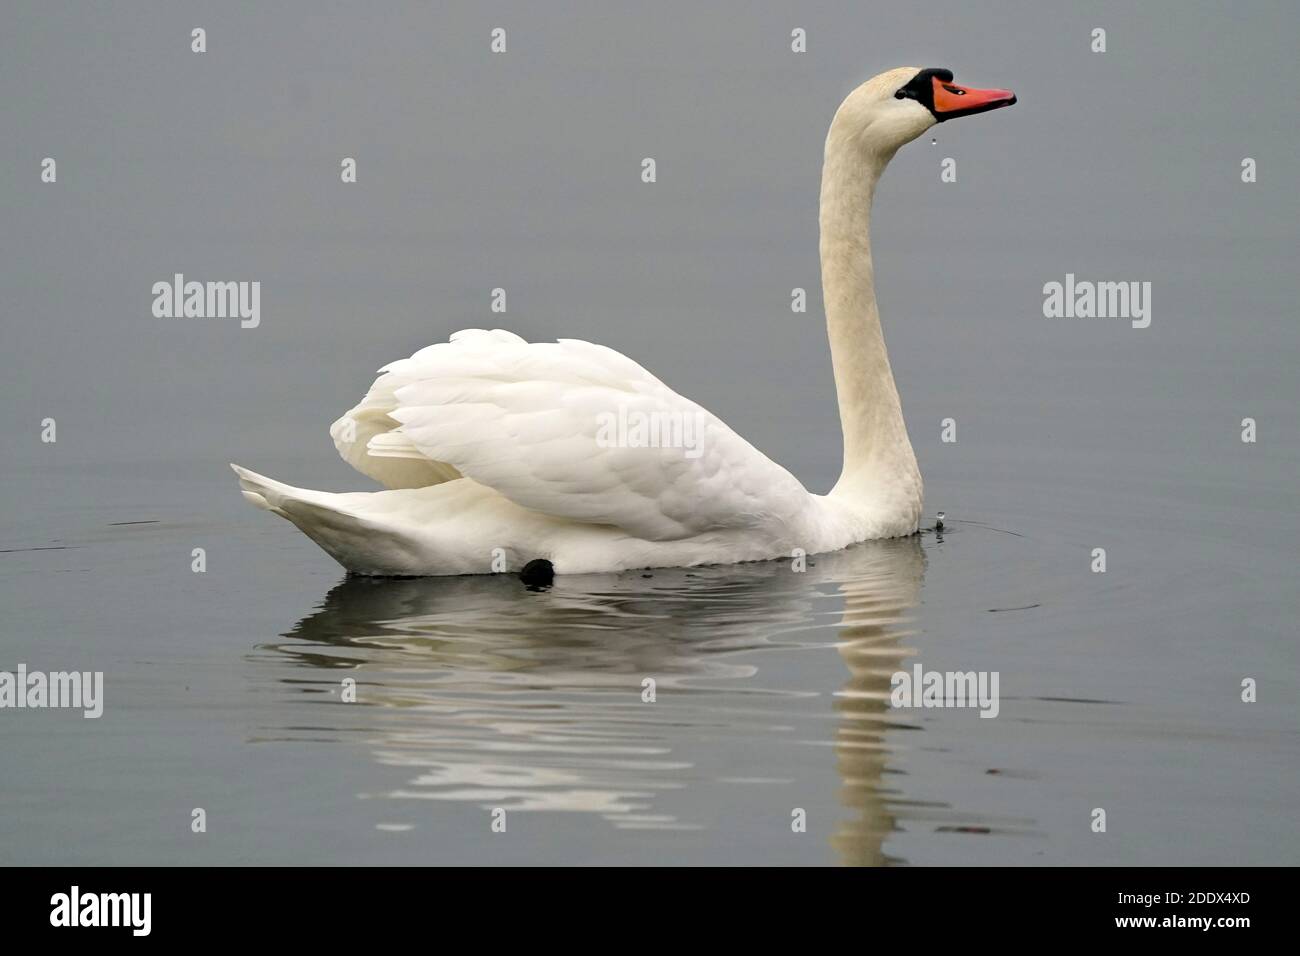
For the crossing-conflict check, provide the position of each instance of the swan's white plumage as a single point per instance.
(507, 434)
(369, 421)
(492, 448)
(526, 419)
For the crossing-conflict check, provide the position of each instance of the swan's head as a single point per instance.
(894, 108)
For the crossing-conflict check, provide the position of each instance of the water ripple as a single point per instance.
(475, 690)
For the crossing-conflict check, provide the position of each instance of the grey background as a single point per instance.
(522, 171)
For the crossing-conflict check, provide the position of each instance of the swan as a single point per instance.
(568, 457)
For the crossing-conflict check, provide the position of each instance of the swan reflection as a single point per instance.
(483, 692)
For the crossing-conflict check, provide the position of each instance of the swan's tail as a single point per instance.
(437, 529)
(303, 506)
(331, 520)
(266, 493)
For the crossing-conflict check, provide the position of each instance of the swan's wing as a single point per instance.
(359, 436)
(368, 437)
(580, 432)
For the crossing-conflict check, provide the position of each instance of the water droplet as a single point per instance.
(933, 141)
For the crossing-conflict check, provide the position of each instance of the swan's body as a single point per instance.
(496, 451)
(519, 424)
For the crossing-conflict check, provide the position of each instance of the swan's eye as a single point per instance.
(904, 94)
(954, 90)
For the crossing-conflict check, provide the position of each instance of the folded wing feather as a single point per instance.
(563, 428)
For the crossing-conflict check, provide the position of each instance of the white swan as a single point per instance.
(498, 452)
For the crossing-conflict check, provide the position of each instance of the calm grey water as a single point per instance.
(1119, 690)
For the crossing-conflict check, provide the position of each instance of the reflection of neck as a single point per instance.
(871, 416)
(884, 583)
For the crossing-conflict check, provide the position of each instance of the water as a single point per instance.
(224, 691)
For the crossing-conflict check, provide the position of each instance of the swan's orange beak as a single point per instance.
(951, 100)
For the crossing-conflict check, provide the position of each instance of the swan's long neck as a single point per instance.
(877, 453)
